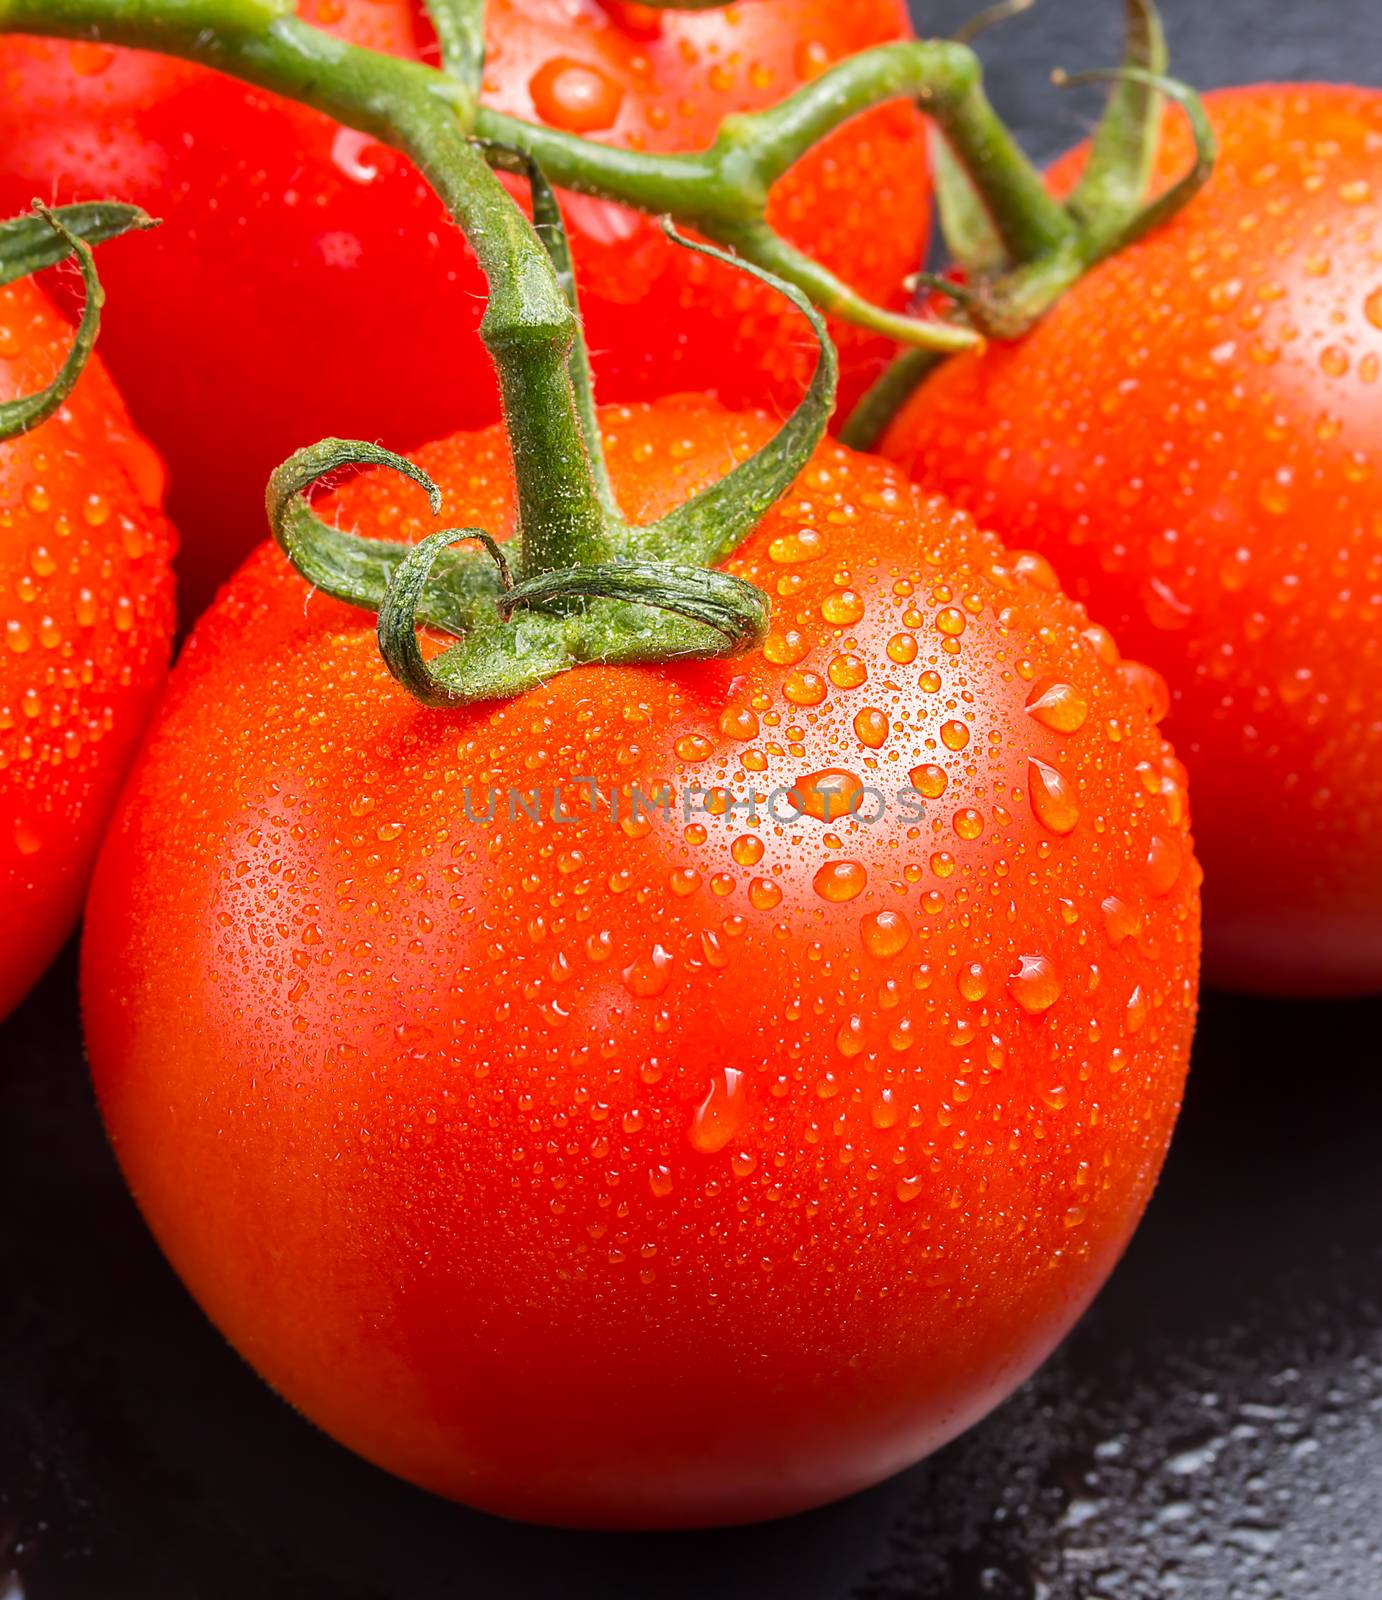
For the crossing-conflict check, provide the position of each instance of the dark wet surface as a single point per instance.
(1213, 1429)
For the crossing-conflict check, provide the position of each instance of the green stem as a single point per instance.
(721, 191)
(899, 380)
(460, 29)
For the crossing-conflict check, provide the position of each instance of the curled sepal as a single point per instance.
(1174, 199)
(463, 586)
(1114, 180)
(42, 239)
(728, 606)
(33, 241)
(712, 524)
(990, 17)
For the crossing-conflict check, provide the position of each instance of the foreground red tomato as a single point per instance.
(678, 1169)
(1193, 437)
(86, 606)
(285, 235)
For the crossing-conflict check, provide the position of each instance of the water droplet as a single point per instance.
(721, 1114)
(885, 933)
(1059, 706)
(1035, 985)
(741, 724)
(764, 894)
(973, 981)
(1053, 801)
(1120, 921)
(792, 549)
(847, 671)
(805, 688)
(829, 795)
(967, 823)
(871, 727)
(843, 608)
(747, 850)
(575, 96)
(27, 839)
(839, 881)
(929, 780)
(651, 975)
(954, 735)
(1164, 861)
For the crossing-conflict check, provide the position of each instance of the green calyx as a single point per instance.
(43, 239)
(1008, 285)
(594, 589)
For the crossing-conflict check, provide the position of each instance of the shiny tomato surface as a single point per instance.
(1192, 437)
(307, 282)
(86, 610)
(681, 1168)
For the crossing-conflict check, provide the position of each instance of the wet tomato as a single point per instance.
(1192, 438)
(86, 609)
(679, 1167)
(294, 254)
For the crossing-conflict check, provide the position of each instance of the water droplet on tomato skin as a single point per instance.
(1058, 706)
(1036, 985)
(1053, 800)
(828, 795)
(1164, 861)
(575, 96)
(840, 881)
(720, 1116)
(885, 933)
(651, 975)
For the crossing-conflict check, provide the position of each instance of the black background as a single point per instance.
(1213, 1429)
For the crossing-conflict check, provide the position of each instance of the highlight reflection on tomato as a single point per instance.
(674, 1170)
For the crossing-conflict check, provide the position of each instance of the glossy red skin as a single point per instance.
(412, 1103)
(1192, 437)
(86, 614)
(306, 282)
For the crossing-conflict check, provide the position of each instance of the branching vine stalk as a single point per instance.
(577, 583)
(720, 191)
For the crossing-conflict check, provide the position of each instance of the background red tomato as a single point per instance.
(1192, 436)
(306, 282)
(660, 1172)
(86, 609)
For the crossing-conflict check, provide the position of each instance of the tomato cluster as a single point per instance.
(690, 1090)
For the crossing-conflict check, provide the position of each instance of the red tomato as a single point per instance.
(306, 281)
(1192, 436)
(86, 607)
(671, 1170)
